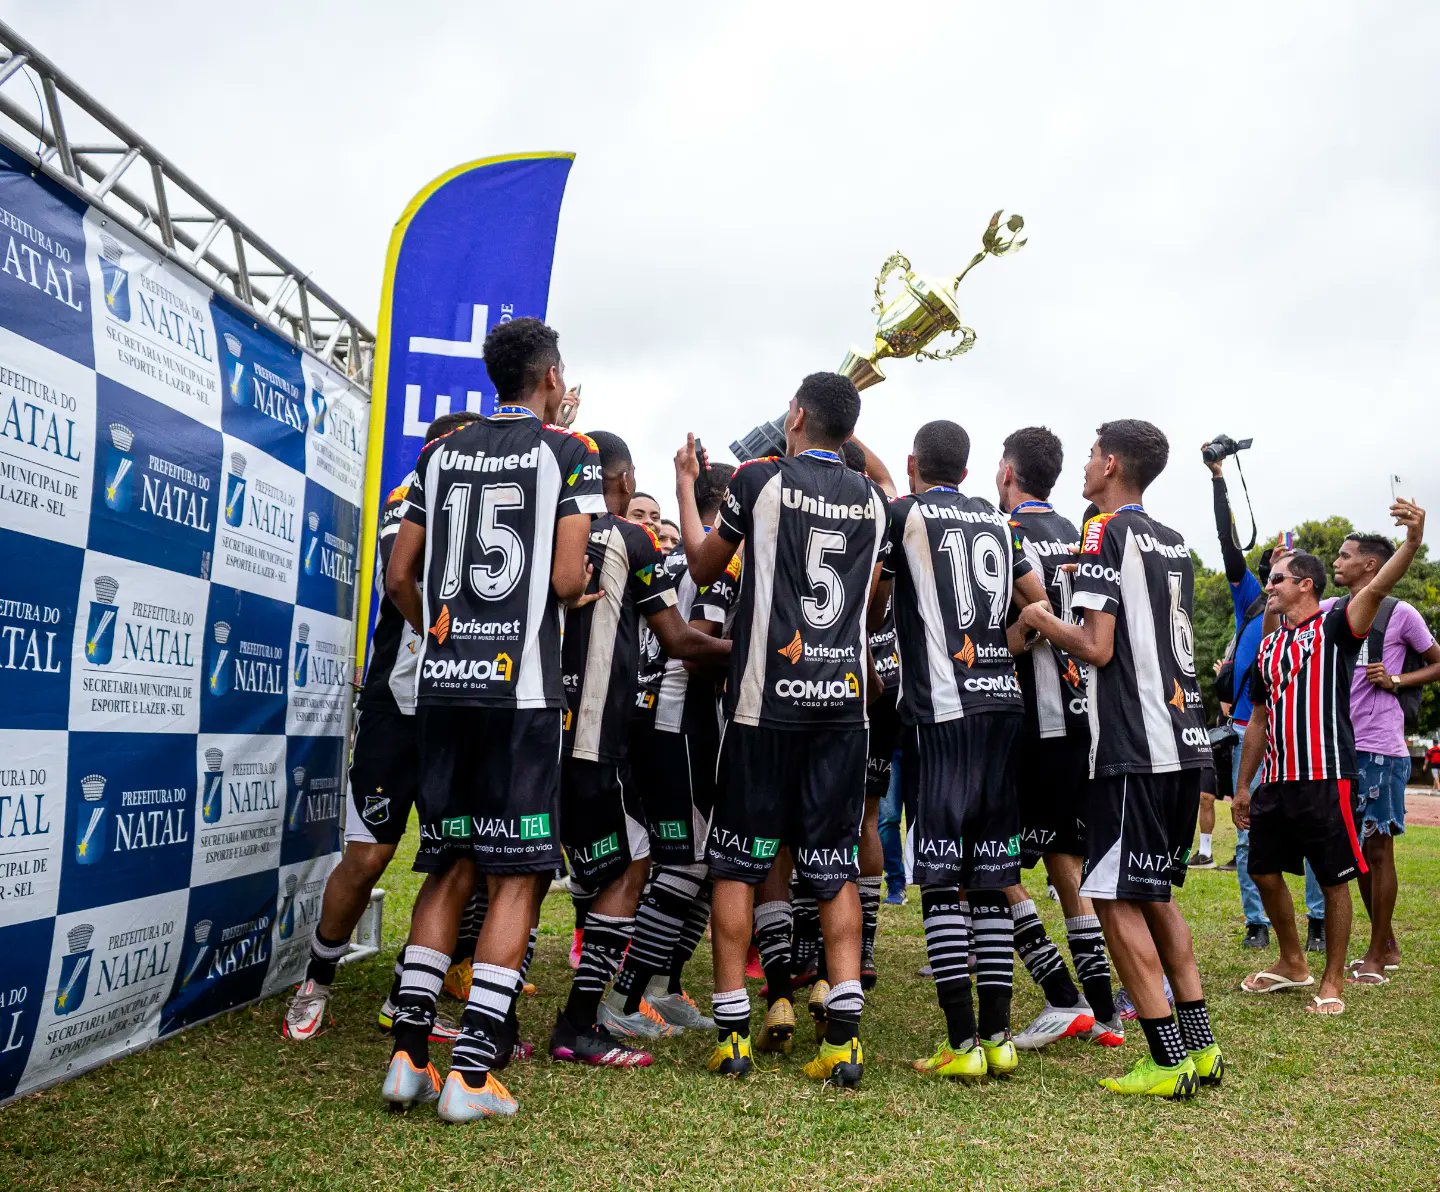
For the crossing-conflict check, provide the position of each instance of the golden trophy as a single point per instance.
(924, 309)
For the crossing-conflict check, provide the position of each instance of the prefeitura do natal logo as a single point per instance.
(235, 374)
(119, 477)
(212, 786)
(235, 491)
(114, 278)
(75, 969)
(100, 628)
(90, 831)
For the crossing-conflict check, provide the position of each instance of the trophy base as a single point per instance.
(861, 370)
(766, 439)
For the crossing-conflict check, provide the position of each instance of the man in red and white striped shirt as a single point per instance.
(1304, 809)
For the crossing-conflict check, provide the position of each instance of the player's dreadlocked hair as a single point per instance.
(517, 354)
(1141, 447)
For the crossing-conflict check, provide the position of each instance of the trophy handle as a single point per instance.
(893, 262)
(967, 341)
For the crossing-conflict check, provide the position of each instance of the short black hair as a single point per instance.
(831, 403)
(1376, 546)
(665, 521)
(853, 456)
(710, 488)
(614, 454)
(517, 354)
(1141, 447)
(448, 422)
(1035, 454)
(942, 451)
(638, 495)
(1304, 565)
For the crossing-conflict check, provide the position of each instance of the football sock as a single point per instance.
(843, 1006)
(773, 924)
(606, 937)
(1167, 1048)
(325, 958)
(583, 900)
(869, 915)
(659, 922)
(1205, 843)
(994, 932)
(697, 917)
(399, 973)
(1194, 1024)
(1092, 966)
(805, 950)
(471, 919)
(731, 1011)
(1041, 957)
(483, 1025)
(420, 984)
(947, 944)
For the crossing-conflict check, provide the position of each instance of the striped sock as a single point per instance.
(731, 1010)
(995, 961)
(805, 945)
(773, 925)
(395, 980)
(1092, 966)
(843, 1006)
(1041, 957)
(471, 920)
(697, 918)
(324, 959)
(483, 1027)
(658, 924)
(529, 955)
(947, 944)
(415, 1012)
(606, 938)
(869, 918)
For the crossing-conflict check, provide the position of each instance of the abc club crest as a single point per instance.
(90, 829)
(100, 628)
(119, 475)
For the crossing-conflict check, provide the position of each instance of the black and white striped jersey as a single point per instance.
(813, 532)
(1302, 679)
(1051, 681)
(1146, 714)
(671, 697)
(489, 496)
(885, 650)
(955, 564)
(394, 646)
(600, 657)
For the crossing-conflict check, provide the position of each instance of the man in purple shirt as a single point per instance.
(1384, 759)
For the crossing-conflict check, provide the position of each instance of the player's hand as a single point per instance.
(1408, 514)
(1217, 467)
(1279, 551)
(1240, 810)
(1033, 616)
(588, 597)
(687, 463)
(1376, 673)
(569, 407)
(1216, 667)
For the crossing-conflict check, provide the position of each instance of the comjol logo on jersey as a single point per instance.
(818, 690)
(476, 670)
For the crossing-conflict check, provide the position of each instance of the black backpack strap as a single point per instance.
(1375, 643)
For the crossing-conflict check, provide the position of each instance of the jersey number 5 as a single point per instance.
(502, 551)
(823, 606)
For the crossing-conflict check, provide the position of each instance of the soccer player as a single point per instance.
(668, 535)
(1305, 808)
(645, 509)
(602, 822)
(792, 762)
(952, 572)
(383, 771)
(1133, 589)
(493, 543)
(674, 745)
(1053, 766)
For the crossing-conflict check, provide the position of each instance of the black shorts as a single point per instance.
(674, 776)
(1295, 822)
(1051, 774)
(384, 775)
(489, 788)
(1138, 832)
(601, 824)
(884, 740)
(958, 782)
(804, 790)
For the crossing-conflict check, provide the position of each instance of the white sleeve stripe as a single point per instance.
(1096, 600)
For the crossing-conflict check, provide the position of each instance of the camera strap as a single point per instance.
(1254, 529)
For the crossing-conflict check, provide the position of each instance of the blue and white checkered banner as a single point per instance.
(179, 522)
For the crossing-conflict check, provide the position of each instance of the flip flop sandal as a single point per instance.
(1355, 977)
(1389, 968)
(1319, 1005)
(1277, 983)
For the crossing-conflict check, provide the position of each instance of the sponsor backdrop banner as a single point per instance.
(474, 248)
(179, 518)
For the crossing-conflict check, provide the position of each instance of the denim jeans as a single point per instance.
(1250, 903)
(891, 843)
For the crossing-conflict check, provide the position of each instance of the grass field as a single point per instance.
(1308, 1102)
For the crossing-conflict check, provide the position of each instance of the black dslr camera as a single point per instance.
(1221, 446)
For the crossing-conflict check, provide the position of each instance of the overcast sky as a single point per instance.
(1232, 208)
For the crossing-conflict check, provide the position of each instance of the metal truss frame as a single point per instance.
(43, 112)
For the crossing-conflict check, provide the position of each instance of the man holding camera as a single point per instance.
(1383, 759)
(1248, 597)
